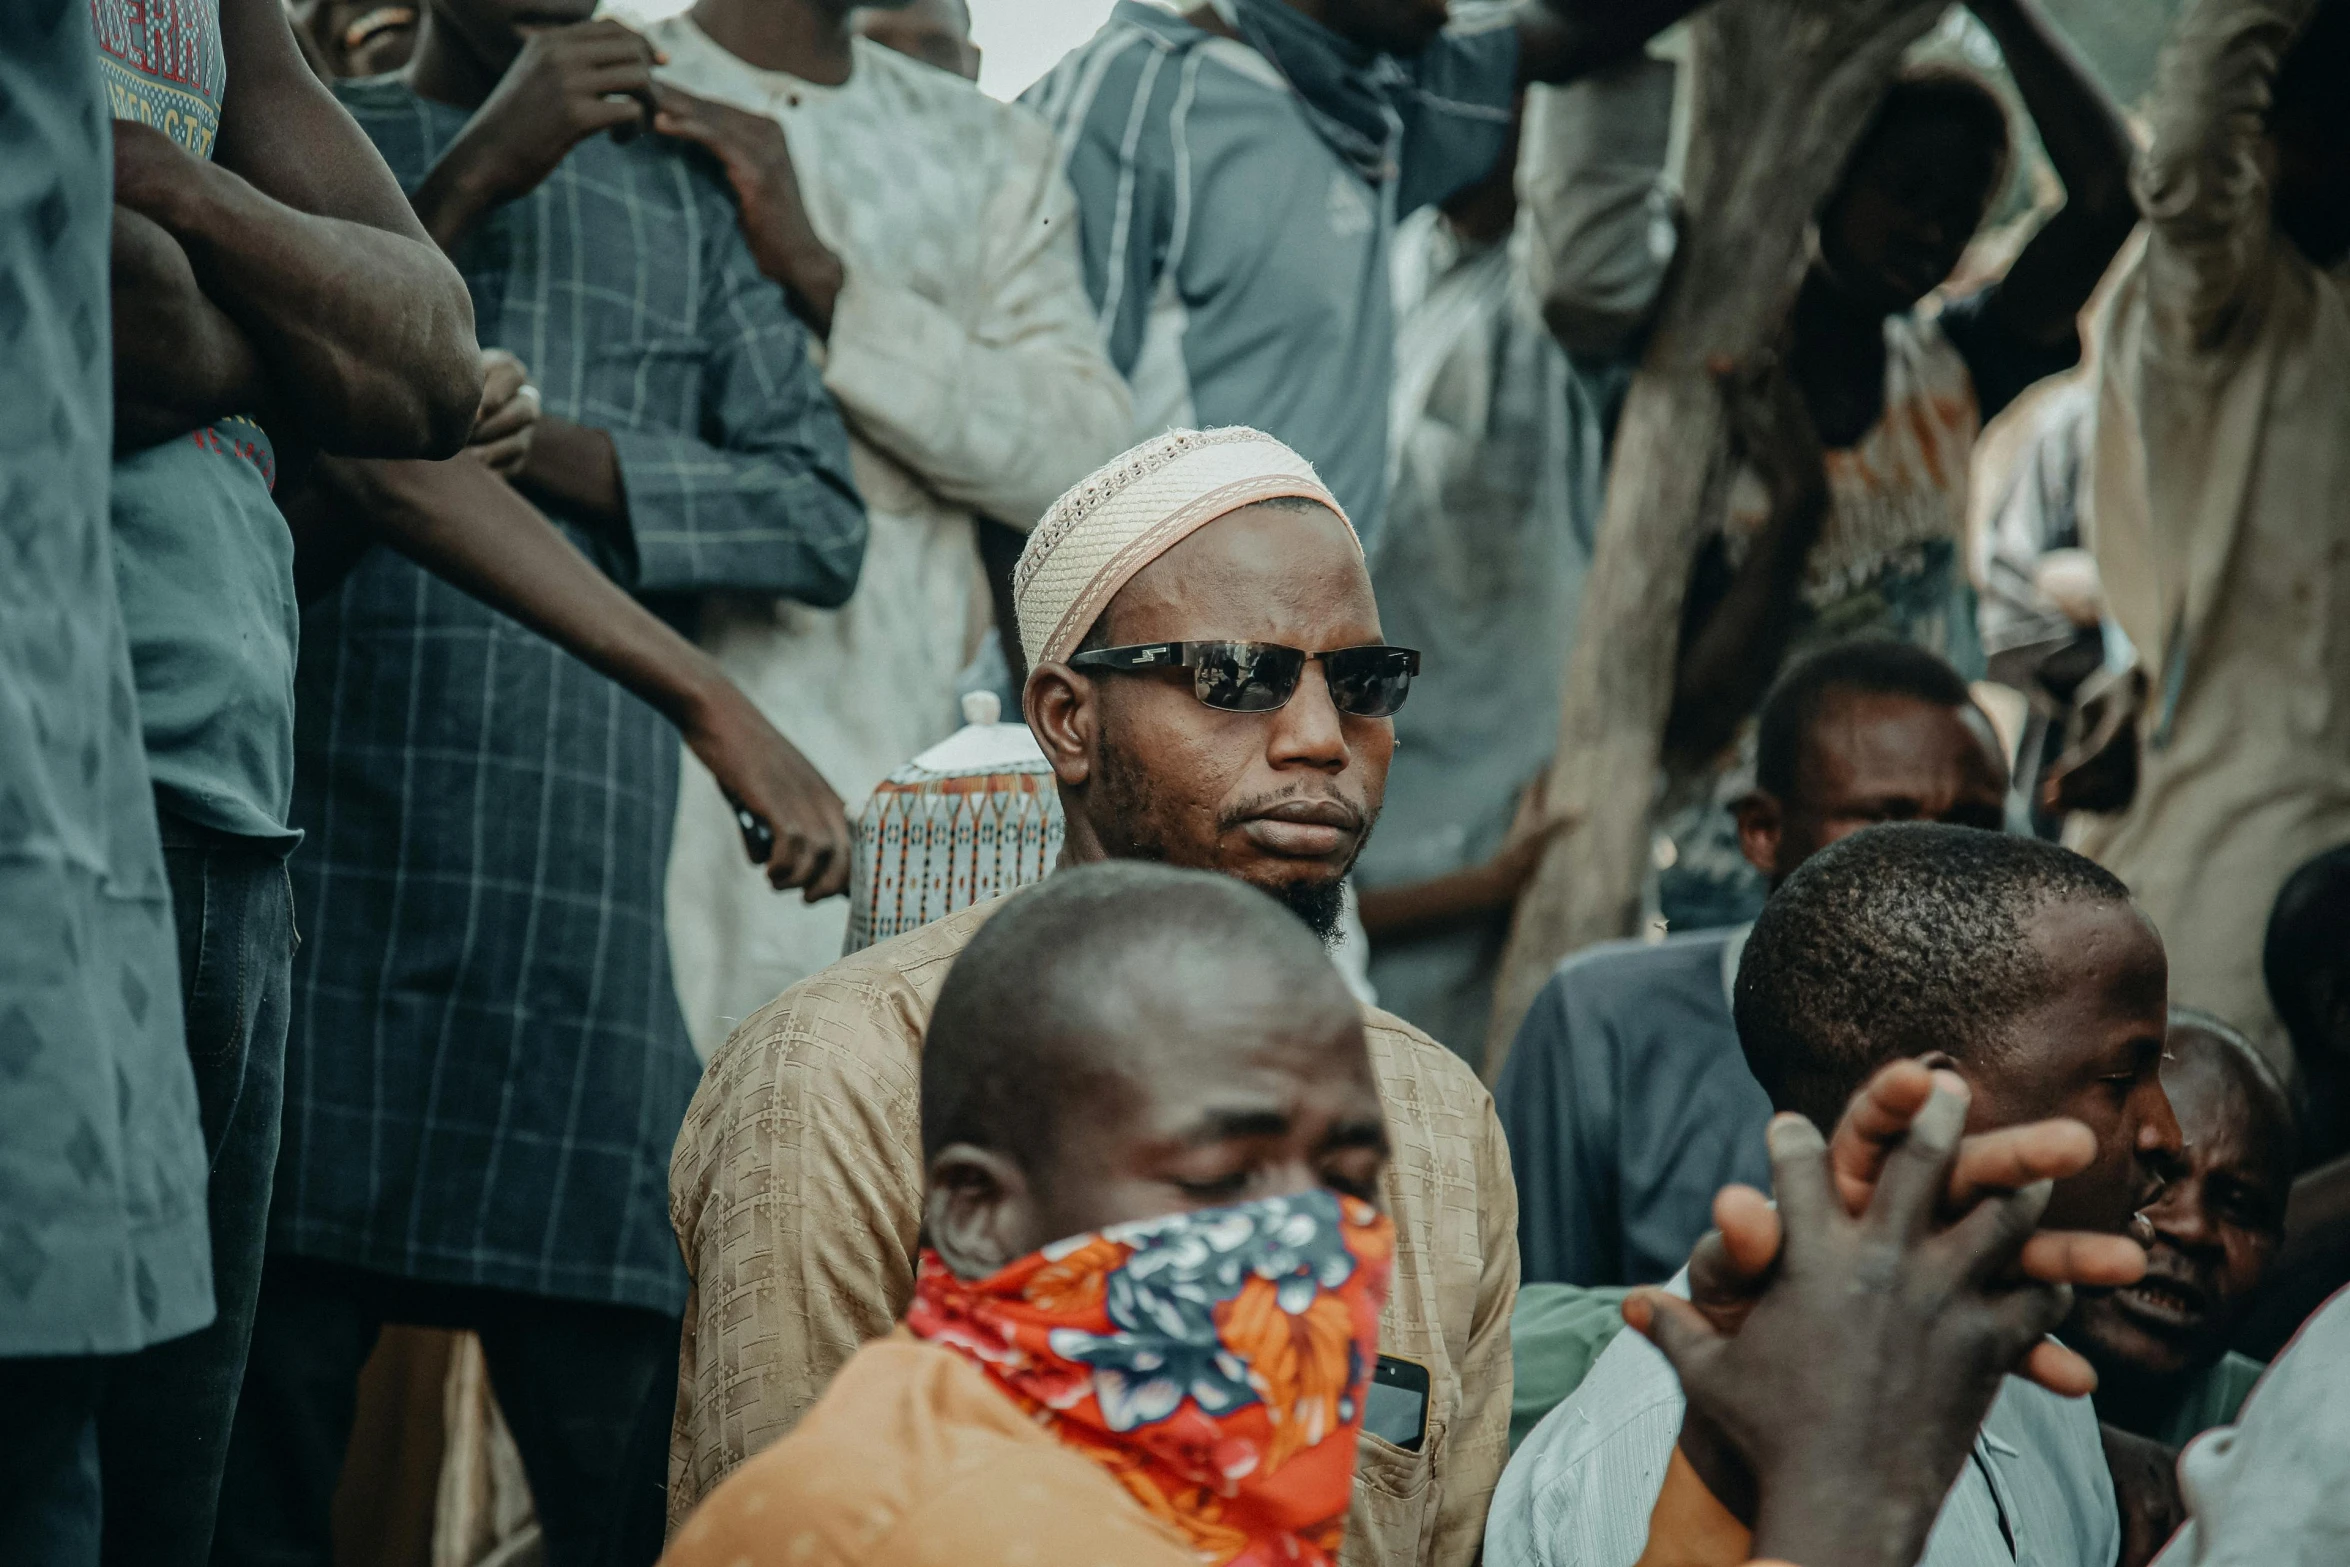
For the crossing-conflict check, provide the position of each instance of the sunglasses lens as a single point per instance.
(1369, 682)
(1247, 677)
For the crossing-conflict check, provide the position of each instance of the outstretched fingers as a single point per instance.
(2060, 1370)
(2013, 1157)
(1909, 1189)
(1873, 1125)
(1799, 1174)
(2086, 1257)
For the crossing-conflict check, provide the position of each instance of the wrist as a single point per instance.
(702, 695)
(810, 269)
(456, 191)
(1828, 1523)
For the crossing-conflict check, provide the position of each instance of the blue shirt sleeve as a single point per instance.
(761, 499)
(1556, 1092)
(1457, 111)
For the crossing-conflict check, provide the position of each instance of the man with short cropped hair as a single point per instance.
(1209, 681)
(1625, 1098)
(2024, 969)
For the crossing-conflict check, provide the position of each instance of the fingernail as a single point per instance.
(1943, 1115)
(1791, 1136)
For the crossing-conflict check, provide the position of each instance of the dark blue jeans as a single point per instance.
(163, 1426)
(49, 1461)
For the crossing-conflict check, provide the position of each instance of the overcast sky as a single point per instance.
(1022, 39)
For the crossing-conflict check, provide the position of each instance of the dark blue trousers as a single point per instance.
(165, 1415)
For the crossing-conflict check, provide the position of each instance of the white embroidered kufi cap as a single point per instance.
(1132, 510)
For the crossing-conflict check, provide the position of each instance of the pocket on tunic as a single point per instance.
(1392, 1519)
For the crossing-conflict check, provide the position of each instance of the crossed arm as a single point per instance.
(286, 277)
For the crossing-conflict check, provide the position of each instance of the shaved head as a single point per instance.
(1059, 997)
(1126, 1040)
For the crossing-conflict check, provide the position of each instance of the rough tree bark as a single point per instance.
(1781, 90)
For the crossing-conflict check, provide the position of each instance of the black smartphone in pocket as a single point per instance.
(1396, 1409)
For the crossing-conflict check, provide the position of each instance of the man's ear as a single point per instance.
(1760, 819)
(978, 1211)
(1063, 712)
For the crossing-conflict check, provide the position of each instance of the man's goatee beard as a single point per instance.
(1319, 903)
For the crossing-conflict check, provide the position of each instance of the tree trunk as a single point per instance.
(1781, 91)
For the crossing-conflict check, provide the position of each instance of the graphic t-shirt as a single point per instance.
(203, 562)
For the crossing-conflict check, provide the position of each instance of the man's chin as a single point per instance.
(1321, 904)
(2113, 1338)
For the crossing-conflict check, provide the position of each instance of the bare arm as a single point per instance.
(459, 521)
(1475, 890)
(2090, 147)
(1728, 661)
(576, 470)
(1559, 40)
(179, 361)
(297, 233)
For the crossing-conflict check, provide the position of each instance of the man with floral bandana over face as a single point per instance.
(1145, 1325)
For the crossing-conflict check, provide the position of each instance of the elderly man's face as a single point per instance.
(1283, 800)
(2216, 1228)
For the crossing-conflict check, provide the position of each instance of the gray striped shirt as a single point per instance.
(1239, 263)
(2035, 1492)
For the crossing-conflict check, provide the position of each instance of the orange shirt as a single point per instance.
(913, 1459)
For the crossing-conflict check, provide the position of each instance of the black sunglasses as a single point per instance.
(1257, 677)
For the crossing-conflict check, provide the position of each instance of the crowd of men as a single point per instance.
(498, 483)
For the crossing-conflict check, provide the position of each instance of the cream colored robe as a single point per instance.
(970, 371)
(2221, 525)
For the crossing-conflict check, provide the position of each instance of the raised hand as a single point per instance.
(1732, 1265)
(750, 148)
(567, 84)
(1854, 1388)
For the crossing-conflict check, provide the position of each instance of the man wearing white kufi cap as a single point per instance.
(1208, 682)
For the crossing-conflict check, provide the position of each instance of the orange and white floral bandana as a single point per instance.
(1214, 1362)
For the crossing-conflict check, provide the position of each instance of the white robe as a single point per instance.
(970, 371)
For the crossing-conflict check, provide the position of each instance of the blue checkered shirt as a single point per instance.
(487, 1065)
